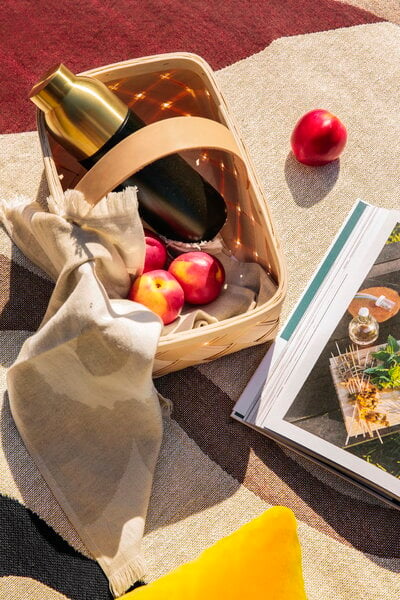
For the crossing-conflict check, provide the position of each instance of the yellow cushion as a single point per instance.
(261, 560)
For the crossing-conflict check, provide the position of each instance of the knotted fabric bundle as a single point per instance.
(81, 390)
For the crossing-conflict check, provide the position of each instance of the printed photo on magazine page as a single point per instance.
(352, 395)
(330, 384)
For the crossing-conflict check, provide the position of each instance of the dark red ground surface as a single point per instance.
(36, 35)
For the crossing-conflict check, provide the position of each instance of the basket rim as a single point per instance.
(190, 56)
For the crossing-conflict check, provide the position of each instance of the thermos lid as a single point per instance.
(81, 112)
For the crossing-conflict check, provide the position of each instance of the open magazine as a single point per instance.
(324, 393)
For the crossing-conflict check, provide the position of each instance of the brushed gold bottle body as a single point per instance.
(81, 112)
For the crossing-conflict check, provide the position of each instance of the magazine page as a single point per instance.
(335, 390)
(251, 407)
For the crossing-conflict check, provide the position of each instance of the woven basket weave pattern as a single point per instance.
(165, 86)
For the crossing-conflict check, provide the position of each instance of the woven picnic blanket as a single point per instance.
(274, 61)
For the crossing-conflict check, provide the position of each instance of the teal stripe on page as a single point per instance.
(323, 271)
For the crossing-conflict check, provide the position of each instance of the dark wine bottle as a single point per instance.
(88, 119)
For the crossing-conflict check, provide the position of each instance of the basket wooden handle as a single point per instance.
(150, 143)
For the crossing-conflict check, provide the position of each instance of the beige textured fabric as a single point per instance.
(81, 390)
(183, 517)
(16, 587)
(194, 501)
(269, 91)
(387, 9)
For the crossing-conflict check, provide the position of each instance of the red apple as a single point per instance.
(318, 138)
(159, 291)
(200, 275)
(156, 252)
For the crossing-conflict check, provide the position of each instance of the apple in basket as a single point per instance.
(156, 252)
(318, 138)
(160, 292)
(201, 276)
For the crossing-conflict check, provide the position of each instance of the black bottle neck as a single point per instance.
(130, 124)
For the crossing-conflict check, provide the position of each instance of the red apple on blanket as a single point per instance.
(200, 275)
(160, 292)
(156, 252)
(318, 138)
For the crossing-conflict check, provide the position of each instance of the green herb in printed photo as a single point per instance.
(386, 375)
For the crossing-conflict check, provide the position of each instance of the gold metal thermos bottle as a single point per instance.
(88, 119)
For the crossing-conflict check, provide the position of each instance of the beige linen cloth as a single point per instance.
(81, 390)
(246, 286)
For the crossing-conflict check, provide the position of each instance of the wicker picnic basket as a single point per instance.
(164, 90)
